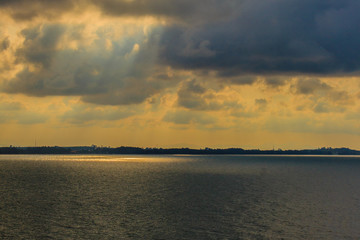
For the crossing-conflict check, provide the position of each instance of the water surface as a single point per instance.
(179, 197)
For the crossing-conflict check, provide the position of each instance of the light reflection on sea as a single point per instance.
(179, 197)
(93, 158)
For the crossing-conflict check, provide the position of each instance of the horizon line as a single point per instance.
(184, 147)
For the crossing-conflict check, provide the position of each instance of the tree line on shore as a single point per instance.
(137, 150)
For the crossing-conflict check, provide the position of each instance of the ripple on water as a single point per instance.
(179, 197)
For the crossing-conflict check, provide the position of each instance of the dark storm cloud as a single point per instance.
(27, 10)
(271, 37)
(183, 10)
(239, 37)
(237, 40)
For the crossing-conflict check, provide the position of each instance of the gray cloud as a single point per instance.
(193, 95)
(238, 80)
(241, 37)
(341, 97)
(190, 95)
(40, 44)
(183, 10)
(272, 37)
(275, 82)
(310, 86)
(237, 37)
(315, 87)
(27, 10)
(261, 104)
(120, 76)
(4, 44)
(322, 107)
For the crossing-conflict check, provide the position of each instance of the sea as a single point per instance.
(179, 197)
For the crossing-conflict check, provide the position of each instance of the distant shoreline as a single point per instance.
(148, 151)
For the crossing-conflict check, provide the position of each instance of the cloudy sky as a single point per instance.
(171, 73)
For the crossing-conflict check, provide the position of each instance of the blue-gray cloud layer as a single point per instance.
(271, 37)
(236, 39)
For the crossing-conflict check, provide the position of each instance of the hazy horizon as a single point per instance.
(182, 147)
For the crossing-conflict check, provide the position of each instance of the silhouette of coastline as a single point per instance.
(136, 150)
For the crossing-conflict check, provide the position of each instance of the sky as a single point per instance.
(178, 73)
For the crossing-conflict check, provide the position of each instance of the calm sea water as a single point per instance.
(179, 197)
